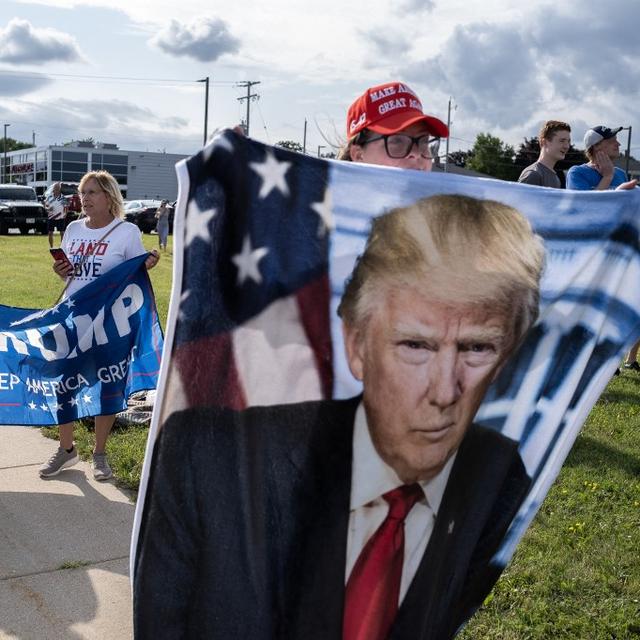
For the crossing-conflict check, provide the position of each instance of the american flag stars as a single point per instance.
(324, 210)
(197, 223)
(56, 406)
(272, 172)
(247, 261)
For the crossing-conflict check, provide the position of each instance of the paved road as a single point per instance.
(64, 547)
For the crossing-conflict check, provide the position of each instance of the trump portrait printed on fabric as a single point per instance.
(371, 378)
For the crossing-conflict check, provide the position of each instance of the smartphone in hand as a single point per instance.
(59, 254)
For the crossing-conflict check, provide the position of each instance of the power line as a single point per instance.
(264, 124)
(70, 76)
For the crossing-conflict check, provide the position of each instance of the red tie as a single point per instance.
(373, 588)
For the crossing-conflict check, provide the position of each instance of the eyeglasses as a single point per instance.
(399, 145)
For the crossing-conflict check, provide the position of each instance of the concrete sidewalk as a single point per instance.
(64, 547)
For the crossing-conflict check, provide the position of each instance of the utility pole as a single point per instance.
(206, 107)
(4, 168)
(446, 152)
(250, 96)
(304, 137)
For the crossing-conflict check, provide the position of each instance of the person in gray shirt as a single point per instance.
(555, 140)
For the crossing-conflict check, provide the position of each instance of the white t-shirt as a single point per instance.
(79, 241)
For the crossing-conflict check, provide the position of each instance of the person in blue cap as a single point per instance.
(599, 174)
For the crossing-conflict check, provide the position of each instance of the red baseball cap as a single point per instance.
(389, 108)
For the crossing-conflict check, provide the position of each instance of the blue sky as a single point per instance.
(507, 69)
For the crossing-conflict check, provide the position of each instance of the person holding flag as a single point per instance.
(94, 244)
(386, 126)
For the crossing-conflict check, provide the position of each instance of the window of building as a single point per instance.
(74, 156)
(113, 159)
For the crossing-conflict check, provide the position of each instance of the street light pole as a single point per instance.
(304, 137)
(446, 153)
(321, 146)
(206, 107)
(628, 150)
(4, 168)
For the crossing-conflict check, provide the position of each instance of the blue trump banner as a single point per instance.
(339, 333)
(83, 357)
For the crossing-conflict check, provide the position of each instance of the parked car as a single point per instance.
(143, 214)
(19, 208)
(70, 192)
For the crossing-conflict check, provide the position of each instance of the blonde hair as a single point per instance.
(344, 153)
(591, 151)
(110, 186)
(458, 250)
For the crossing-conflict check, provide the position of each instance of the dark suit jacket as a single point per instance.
(245, 528)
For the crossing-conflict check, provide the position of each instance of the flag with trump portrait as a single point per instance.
(265, 241)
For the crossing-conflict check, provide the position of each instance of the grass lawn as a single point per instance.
(576, 574)
(27, 280)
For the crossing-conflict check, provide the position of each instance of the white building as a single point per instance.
(140, 174)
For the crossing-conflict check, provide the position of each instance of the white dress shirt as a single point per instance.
(371, 477)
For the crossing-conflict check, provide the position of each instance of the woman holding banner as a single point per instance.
(387, 126)
(94, 244)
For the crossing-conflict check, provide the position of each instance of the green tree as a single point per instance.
(15, 145)
(290, 145)
(494, 157)
(527, 153)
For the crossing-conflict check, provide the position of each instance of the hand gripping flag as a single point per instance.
(83, 357)
(265, 239)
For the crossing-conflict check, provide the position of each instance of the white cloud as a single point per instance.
(14, 84)
(204, 39)
(22, 43)
(509, 75)
(123, 122)
(502, 89)
(508, 66)
(386, 43)
(415, 5)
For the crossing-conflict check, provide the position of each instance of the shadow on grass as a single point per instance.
(591, 453)
(627, 397)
